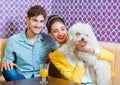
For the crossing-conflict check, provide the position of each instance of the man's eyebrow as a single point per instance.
(34, 18)
(41, 20)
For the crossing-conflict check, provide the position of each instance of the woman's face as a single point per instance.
(59, 32)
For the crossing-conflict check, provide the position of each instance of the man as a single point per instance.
(27, 51)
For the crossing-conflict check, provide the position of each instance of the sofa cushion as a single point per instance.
(115, 49)
(112, 47)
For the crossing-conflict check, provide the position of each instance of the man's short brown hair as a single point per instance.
(36, 10)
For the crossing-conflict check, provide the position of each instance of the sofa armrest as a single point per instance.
(3, 43)
(115, 49)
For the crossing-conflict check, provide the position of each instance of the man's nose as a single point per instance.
(38, 24)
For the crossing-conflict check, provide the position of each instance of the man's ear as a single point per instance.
(26, 20)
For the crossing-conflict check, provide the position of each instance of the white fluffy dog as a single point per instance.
(78, 33)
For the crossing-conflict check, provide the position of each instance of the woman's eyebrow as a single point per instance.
(55, 29)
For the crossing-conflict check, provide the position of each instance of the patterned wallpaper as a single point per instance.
(13, 13)
(103, 15)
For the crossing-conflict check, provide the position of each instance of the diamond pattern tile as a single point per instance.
(103, 15)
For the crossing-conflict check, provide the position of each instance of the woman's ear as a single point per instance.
(51, 35)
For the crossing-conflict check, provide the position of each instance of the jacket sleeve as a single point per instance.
(67, 70)
(106, 55)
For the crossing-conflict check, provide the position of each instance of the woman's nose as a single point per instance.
(60, 32)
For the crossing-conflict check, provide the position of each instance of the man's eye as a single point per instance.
(63, 29)
(34, 20)
(42, 21)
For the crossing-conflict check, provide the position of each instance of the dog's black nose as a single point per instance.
(82, 39)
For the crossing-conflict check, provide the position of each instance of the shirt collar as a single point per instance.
(40, 37)
(24, 38)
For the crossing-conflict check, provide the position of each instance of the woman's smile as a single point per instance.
(61, 37)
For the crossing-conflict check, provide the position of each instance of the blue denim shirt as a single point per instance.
(29, 57)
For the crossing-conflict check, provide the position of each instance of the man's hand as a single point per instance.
(8, 65)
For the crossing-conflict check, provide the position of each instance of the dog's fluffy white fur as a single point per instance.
(83, 32)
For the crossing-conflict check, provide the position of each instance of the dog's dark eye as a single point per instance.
(77, 34)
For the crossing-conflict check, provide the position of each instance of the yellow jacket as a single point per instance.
(75, 73)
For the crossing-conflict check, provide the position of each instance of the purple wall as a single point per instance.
(13, 13)
(103, 15)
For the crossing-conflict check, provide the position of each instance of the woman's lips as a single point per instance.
(60, 37)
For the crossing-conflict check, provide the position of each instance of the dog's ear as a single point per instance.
(88, 26)
(70, 34)
(92, 36)
(71, 31)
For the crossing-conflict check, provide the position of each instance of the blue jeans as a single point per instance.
(12, 74)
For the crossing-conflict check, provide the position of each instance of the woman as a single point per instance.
(57, 29)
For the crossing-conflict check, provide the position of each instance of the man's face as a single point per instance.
(35, 24)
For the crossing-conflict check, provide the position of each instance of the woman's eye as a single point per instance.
(63, 29)
(55, 31)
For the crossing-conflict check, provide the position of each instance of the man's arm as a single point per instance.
(7, 62)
